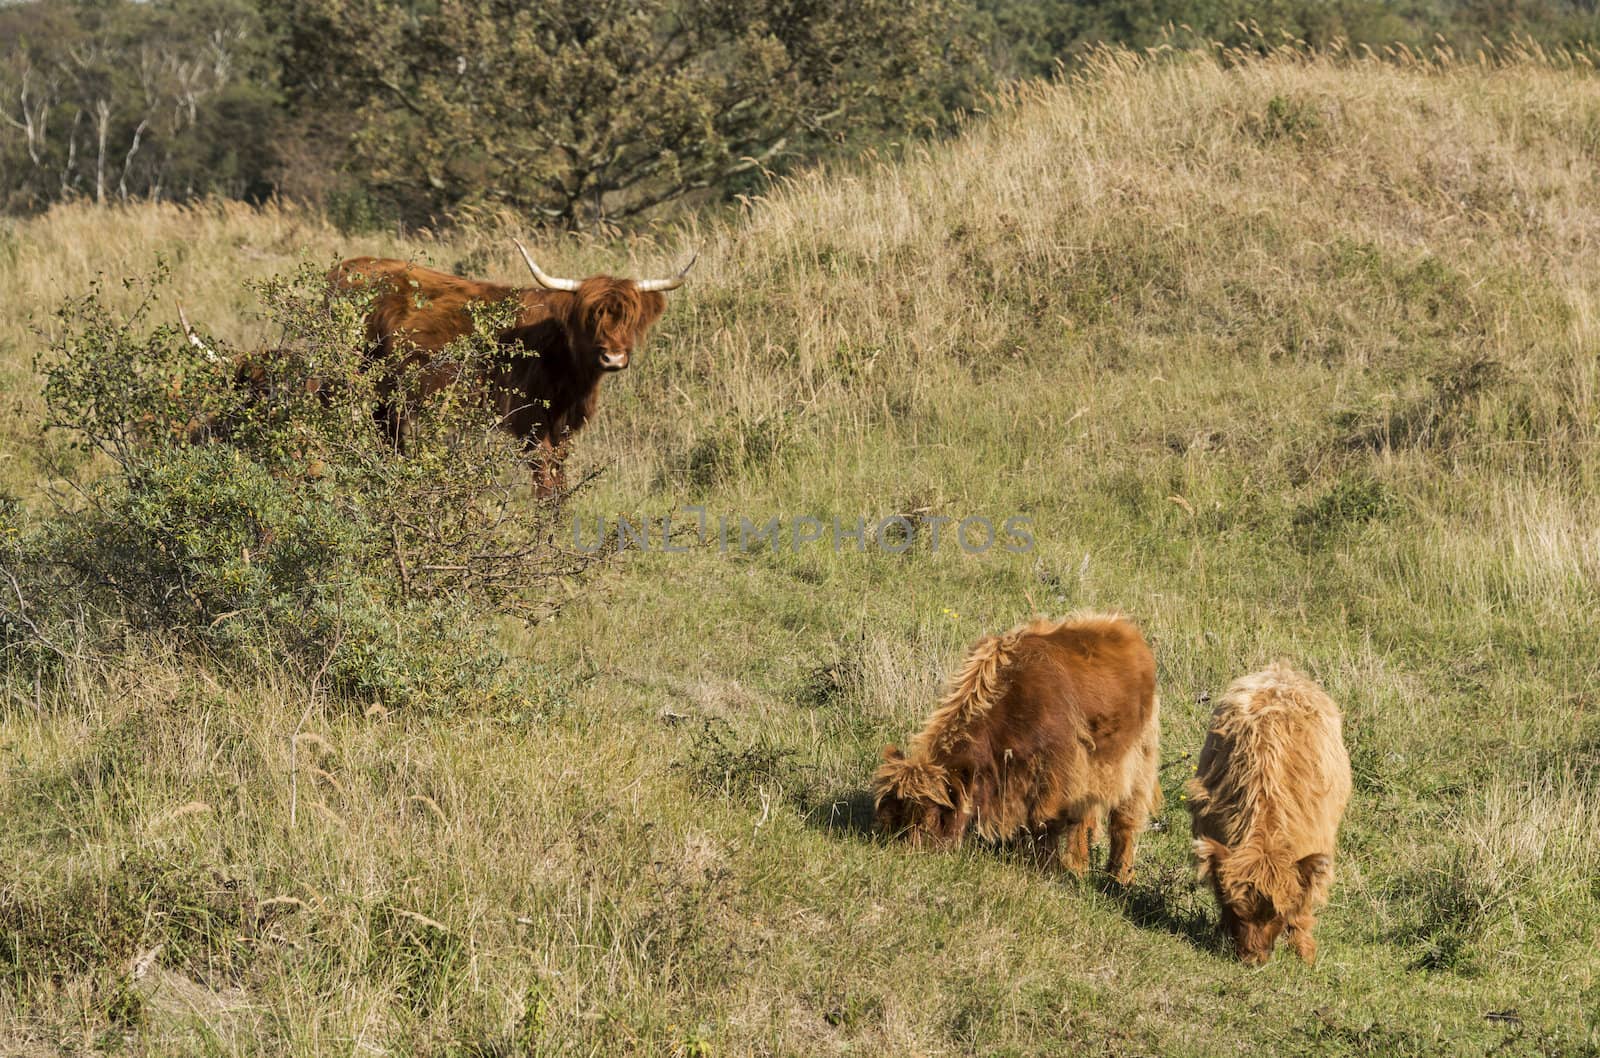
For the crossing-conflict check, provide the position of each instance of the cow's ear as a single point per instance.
(652, 304)
(891, 753)
(1315, 870)
(1208, 857)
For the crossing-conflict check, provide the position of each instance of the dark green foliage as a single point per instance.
(1437, 417)
(353, 209)
(579, 113)
(732, 447)
(1354, 500)
(199, 921)
(1294, 120)
(604, 110)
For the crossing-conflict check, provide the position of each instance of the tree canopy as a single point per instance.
(609, 108)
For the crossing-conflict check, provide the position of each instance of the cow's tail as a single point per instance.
(976, 687)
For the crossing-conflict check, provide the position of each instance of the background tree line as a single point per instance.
(421, 110)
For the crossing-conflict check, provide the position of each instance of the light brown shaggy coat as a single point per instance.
(1043, 728)
(1269, 791)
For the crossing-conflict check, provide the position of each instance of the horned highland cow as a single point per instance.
(1269, 790)
(1043, 728)
(545, 381)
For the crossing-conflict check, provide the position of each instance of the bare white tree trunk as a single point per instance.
(102, 113)
(133, 148)
(35, 115)
(72, 155)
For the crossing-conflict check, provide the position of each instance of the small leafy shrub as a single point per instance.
(1292, 120)
(826, 686)
(734, 447)
(261, 516)
(717, 763)
(354, 209)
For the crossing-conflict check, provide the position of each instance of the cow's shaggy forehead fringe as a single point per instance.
(1282, 734)
(912, 780)
(624, 305)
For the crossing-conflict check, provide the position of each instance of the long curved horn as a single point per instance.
(548, 282)
(194, 339)
(669, 284)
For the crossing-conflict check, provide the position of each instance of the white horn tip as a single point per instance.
(670, 284)
(194, 339)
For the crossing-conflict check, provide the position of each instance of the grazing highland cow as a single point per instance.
(545, 380)
(1266, 800)
(1043, 728)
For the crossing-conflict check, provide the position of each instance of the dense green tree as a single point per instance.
(605, 109)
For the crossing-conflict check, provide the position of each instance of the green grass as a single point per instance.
(1292, 359)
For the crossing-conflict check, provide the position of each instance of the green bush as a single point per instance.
(262, 517)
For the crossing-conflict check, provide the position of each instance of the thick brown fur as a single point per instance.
(1265, 803)
(546, 383)
(1042, 729)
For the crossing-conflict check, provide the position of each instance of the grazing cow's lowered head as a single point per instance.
(264, 376)
(1043, 729)
(267, 383)
(916, 798)
(1259, 900)
(544, 382)
(1266, 801)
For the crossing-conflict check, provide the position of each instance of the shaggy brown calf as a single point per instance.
(1043, 728)
(264, 377)
(1266, 800)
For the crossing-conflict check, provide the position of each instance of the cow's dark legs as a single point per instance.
(386, 410)
(391, 423)
(1072, 846)
(1127, 819)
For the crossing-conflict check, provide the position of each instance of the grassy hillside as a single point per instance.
(1290, 359)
